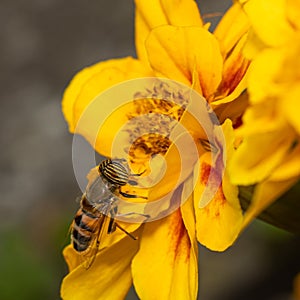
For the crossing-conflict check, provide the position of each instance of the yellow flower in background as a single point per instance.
(296, 286)
(269, 155)
(172, 42)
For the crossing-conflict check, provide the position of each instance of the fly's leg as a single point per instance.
(133, 182)
(134, 213)
(126, 195)
(128, 233)
(137, 174)
(113, 224)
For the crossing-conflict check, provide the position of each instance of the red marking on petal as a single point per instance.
(213, 174)
(233, 76)
(213, 209)
(220, 197)
(180, 241)
(238, 122)
(204, 172)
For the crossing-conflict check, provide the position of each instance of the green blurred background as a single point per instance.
(43, 44)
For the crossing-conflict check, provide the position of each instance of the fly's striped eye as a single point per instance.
(114, 172)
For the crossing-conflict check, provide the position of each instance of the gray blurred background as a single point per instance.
(43, 44)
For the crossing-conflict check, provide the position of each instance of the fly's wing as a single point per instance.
(97, 191)
(93, 223)
(88, 256)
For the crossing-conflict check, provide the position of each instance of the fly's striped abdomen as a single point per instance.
(114, 172)
(84, 227)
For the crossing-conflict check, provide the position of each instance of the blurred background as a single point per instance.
(43, 44)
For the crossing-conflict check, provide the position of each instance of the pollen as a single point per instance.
(156, 112)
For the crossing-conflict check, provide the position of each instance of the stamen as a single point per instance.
(157, 111)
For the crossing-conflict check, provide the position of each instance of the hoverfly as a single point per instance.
(97, 204)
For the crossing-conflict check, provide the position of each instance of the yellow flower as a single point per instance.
(296, 293)
(270, 153)
(171, 42)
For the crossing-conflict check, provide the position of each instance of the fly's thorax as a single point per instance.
(96, 209)
(100, 190)
(88, 208)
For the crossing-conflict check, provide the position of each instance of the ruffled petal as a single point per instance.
(78, 101)
(180, 158)
(269, 21)
(176, 52)
(233, 25)
(232, 110)
(234, 75)
(177, 165)
(218, 222)
(290, 167)
(261, 118)
(289, 82)
(290, 106)
(262, 83)
(235, 67)
(255, 160)
(151, 14)
(188, 217)
(166, 266)
(109, 277)
(265, 194)
(293, 13)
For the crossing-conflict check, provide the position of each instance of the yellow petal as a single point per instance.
(93, 80)
(87, 85)
(181, 12)
(232, 110)
(187, 212)
(293, 13)
(269, 21)
(273, 76)
(291, 106)
(166, 266)
(233, 25)
(111, 268)
(296, 287)
(234, 80)
(262, 72)
(151, 14)
(71, 257)
(265, 194)
(196, 81)
(219, 222)
(255, 159)
(281, 179)
(179, 165)
(290, 167)
(254, 45)
(175, 52)
(261, 118)
(188, 216)
(182, 155)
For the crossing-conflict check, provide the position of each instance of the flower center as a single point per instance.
(156, 112)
